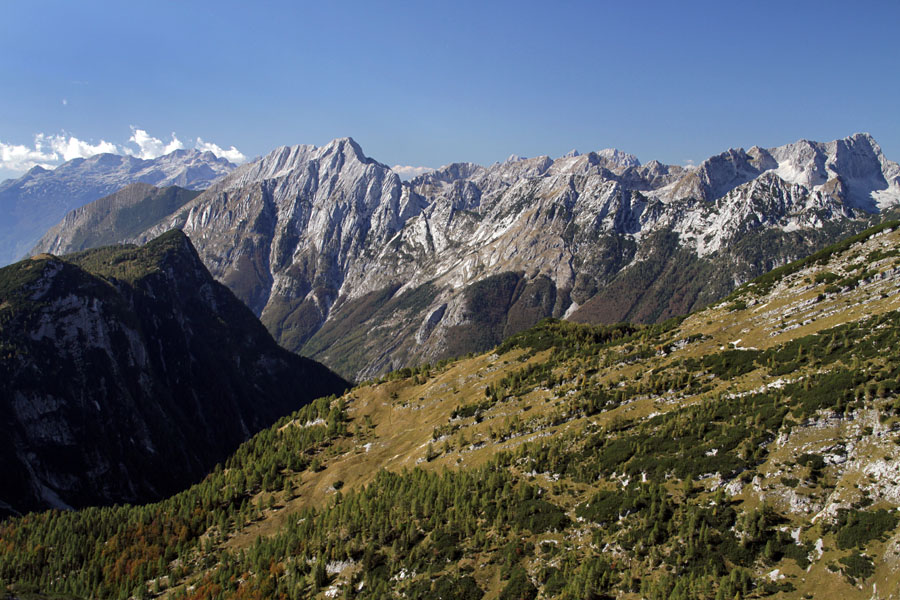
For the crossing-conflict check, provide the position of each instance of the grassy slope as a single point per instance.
(778, 407)
(146, 205)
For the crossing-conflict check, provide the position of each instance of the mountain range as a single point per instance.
(34, 202)
(346, 263)
(126, 373)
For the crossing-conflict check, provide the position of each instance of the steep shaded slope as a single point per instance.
(127, 373)
(748, 450)
(33, 203)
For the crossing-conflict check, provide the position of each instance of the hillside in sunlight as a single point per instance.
(749, 450)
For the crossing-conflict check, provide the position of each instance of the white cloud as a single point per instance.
(48, 151)
(71, 147)
(15, 157)
(232, 154)
(149, 146)
(408, 172)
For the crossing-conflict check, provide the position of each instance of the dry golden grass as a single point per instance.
(404, 414)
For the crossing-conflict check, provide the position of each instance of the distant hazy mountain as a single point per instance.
(36, 201)
(126, 373)
(346, 263)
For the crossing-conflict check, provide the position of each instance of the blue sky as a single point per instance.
(428, 83)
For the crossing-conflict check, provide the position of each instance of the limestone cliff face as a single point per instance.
(348, 264)
(127, 373)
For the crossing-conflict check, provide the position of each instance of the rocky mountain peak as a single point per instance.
(715, 176)
(287, 161)
(619, 158)
(447, 174)
(865, 137)
(313, 211)
(513, 170)
(871, 181)
(347, 146)
(35, 170)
